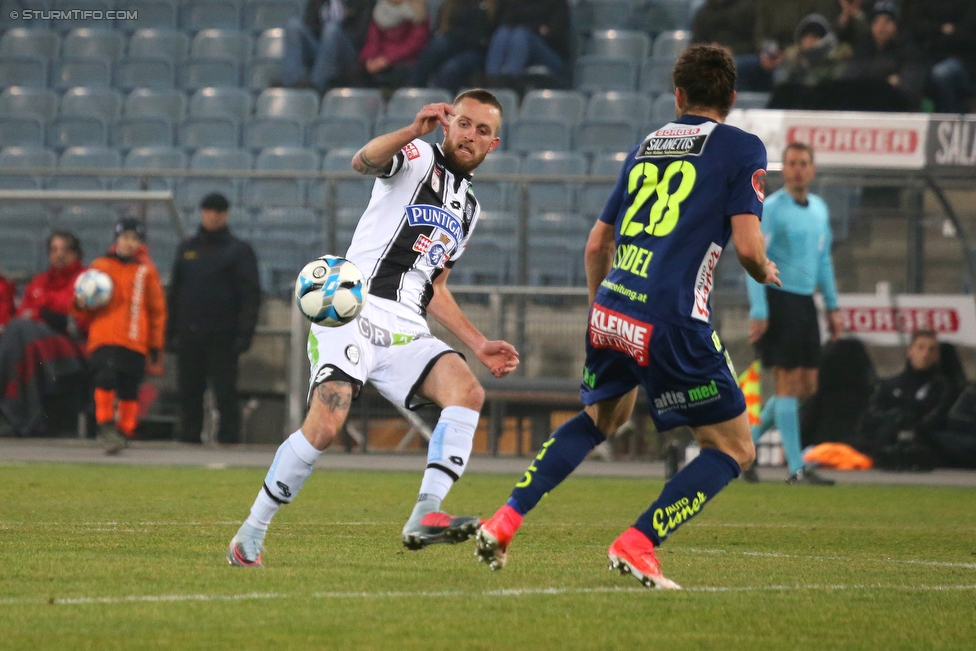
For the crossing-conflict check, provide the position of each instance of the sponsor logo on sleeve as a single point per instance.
(704, 282)
(759, 184)
(411, 151)
(612, 329)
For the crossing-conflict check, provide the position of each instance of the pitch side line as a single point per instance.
(513, 592)
(970, 566)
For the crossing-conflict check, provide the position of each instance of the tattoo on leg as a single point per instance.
(335, 395)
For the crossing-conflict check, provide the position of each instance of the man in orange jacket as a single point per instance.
(125, 339)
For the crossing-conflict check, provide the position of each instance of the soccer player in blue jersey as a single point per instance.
(650, 261)
(783, 321)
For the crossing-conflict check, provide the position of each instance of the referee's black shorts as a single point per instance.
(792, 339)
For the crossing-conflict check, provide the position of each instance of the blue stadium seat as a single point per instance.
(270, 44)
(486, 262)
(23, 157)
(260, 15)
(26, 100)
(603, 136)
(198, 15)
(70, 21)
(350, 193)
(21, 131)
(497, 195)
(204, 73)
(751, 100)
(593, 196)
(668, 46)
(150, 14)
(221, 44)
(662, 111)
(261, 72)
(390, 123)
(540, 134)
(509, 100)
(102, 102)
(76, 131)
(93, 43)
(23, 71)
(25, 217)
(160, 42)
(406, 102)
(84, 158)
(655, 77)
(674, 14)
(40, 43)
(19, 251)
(209, 131)
(128, 133)
(150, 102)
(297, 220)
(302, 105)
(555, 195)
(554, 261)
(338, 132)
(560, 225)
(615, 105)
(500, 224)
(621, 44)
(280, 258)
(353, 102)
(286, 192)
(144, 72)
(144, 158)
(261, 133)
(566, 105)
(192, 190)
(232, 102)
(69, 72)
(598, 73)
(163, 242)
(595, 15)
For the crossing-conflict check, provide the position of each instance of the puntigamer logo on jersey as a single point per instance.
(421, 215)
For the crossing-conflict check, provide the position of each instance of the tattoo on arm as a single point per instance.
(369, 167)
(335, 395)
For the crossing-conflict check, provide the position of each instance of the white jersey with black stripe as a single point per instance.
(419, 220)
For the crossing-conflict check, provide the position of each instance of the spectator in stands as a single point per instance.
(816, 59)
(957, 444)
(457, 48)
(214, 295)
(50, 295)
(946, 32)
(8, 292)
(529, 33)
(321, 49)
(853, 25)
(397, 35)
(888, 67)
(125, 340)
(908, 409)
(731, 23)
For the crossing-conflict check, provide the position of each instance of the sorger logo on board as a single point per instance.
(612, 329)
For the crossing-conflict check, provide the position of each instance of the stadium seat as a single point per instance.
(93, 43)
(71, 21)
(23, 71)
(553, 261)
(500, 224)
(407, 102)
(149, 102)
(560, 225)
(290, 192)
(260, 15)
(208, 131)
(150, 14)
(350, 193)
(84, 158)
(527, 135)
(261, 133)
(338, 132)
(619, 43)
(159, 158)
(144, 72)
(674, 14)
(606, 136)
(21, 131)
(509, 100)
(25, 217)
(19, 251)
(198, 15)
(192, 190)
(301, 220)
(497, 195)
(23, 157)
(655, 77)
(662, 111)
(353, 102)
(132, 132)
(270, 44)
(163, 243)
(302, 105)
(69, 72)
(280, 258)
(160, 42)
(211, 102)
(596, 15)
(668, 46)
(40, 43)
(566, 105)
(204, 73)
(616, 105)
(593, 196)
(487, 262)
(76, 131)
(102, 102)
(26, 100)
(556, 195)
(261, 72)
(751, 100)
(221, 44)
(598, 73)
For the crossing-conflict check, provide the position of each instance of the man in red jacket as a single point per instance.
(49, 296)
(8, 292)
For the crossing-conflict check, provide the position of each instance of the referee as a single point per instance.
(783, 321)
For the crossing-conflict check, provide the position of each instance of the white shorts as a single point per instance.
(392, 353)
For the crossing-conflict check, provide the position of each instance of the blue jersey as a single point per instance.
(671, 209)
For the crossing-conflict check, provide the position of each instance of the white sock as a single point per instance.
(448, 451)
(291, 467)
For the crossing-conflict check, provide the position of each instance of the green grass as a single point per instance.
(764, 567)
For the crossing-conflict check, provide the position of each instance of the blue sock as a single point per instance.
(767, 418)
(788, 421)
(559, 456)
(686, 493)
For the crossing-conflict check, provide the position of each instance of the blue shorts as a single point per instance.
(686, 372)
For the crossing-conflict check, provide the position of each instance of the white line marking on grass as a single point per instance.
(227, 523)
(970, 566)
(511, 592)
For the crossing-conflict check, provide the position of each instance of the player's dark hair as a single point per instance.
(706, 74)
(923, 333)
(799, 146)
(483, 96)
(74, 244)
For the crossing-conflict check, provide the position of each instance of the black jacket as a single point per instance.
(468, 24)
(548, 17)
(727, 22)
(214, 289)
(355, 24)
(899, 57)
(913, 400)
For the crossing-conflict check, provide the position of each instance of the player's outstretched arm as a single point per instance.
(499, 357)
(598, 256)
(751, 249)
(375, 156)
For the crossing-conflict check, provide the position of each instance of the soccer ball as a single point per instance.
(93, 289)
(329, 291)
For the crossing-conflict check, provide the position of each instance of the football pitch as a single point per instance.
(113, 557)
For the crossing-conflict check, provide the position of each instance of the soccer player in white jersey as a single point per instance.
(417, 224)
